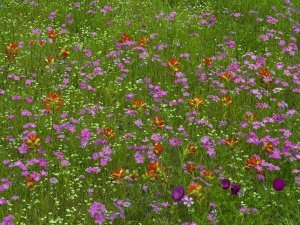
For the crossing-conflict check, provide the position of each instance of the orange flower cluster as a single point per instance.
(53, 35)
(227, 76)
(158, 148)
(108, 133)
(196, 102)
(53, 101)
(118, 174)
(265, 72)
(124, 37)
(64, 52)
(143, 41)
(30, 182)
(154, 169)
(253, 161)
(173, 65)
(231, 141)
(227, 101)
(33, 141)
(11, 51)
(138, 104)
(207, 61)
(195, 189)
(268, 146)
(158, 122)
(191, 149)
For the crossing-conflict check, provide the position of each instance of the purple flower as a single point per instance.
(97, 211)
(177, 193)
(175, 142)
(279, 184)
(225, 184)
(235, 188)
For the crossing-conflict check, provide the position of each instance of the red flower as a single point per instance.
(64, 52)
(227, 76)
(125, 37)
(11, 51)
(159, 122)
(207, 61)
(138, 104)
(191, 149)
(196, 102)
(30, 182)
(32, 141)
(53, 101)
(143, 41)
(231, 141)
(52, 34)
(195, 188)
(118, 174)
(174, 65)
(158, 148)
(227, 101)
(108, 133)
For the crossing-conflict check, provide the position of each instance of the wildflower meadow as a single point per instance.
(150, 112)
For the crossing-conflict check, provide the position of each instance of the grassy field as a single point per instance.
(149, 112)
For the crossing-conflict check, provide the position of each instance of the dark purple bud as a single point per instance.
(279, 184)
(177, 193)
(235, 188)
(225, 184)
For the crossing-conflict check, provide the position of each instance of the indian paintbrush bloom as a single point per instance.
(227, 101)
(52, 34)
(124, 37)
(173, 65)
(143, 41)
(11, 51)
(118, 174)
(53, 101)
(196, 102)
(195, 188)
(207, 62)
(32, 141)
(159, 122)
(64, 52)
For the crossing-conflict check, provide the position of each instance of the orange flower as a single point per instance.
(174, 65)
(138, 104)
(209, 174)
(159, 122)
(191, 149)
(125, 37)
(158, 148)
(207, 61)
(42, 43)
(264, 72)
(227, 76)
(196, 102)
(32, 42)
(253, 161)
(53, 101)
(108, 133)
(30, 182)
(153, 169)
(118, 174)
(190, 167)
(227, 100)
(52, 34)
(49, 60)
(231, 141)
(32, 141)
(64, 53)
(195, 188)
(143, 41)
(11, 51)
(250, 116)
(268, 146)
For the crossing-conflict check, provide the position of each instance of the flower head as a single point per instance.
(177, 193)
(279, 184)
